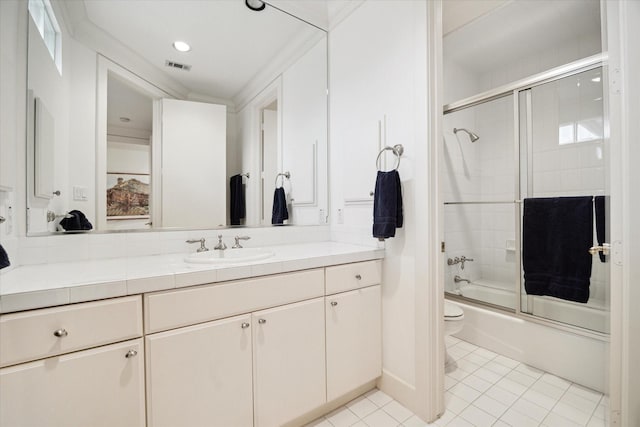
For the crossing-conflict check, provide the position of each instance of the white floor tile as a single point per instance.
(342, 417)
(487, 354)
(457, 353)
(540, 399)
(579, 402)
(445, 419)
(380, 419)
(600, 412)
(449, 382)
(596, 422)
(467, 366)
(555, 381)
(378, 397)
(320, 422)
(415, 421)
(360, 424)
(498, 368)
(459, 422)
(477, 383)
(491, 406)
(521, 378)
(454, 403)
(487, 375)
(516, 419)
(509, 363)
(512, 386)
(458, 374)
(531, 410)
(476, 358)
(465, 392)
(501, 395)
(362, 407)
(555, 420)
(529, 370)
(501, 424)
(587, 393)
(571, 413)
(397, 411)
(467, 346)
(478, 417)
(451, 340)
(548, 389)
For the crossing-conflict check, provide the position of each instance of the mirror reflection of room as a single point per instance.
(117, 161)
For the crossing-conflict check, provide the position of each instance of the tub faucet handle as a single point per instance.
(464, 259)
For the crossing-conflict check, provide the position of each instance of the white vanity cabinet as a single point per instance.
(289, 362)
(353, 326)
(96, 384)
(201, 375)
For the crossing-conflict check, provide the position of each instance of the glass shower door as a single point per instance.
(563, 153)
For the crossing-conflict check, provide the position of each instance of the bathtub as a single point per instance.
(582, 359)
(590, 316)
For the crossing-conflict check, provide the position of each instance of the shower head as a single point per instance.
(472, 135)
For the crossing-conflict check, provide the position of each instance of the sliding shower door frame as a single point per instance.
(515, 89)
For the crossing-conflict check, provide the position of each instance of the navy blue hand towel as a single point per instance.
(4, 258)
(599, 204)
(279, 212)
(78, 221)
(237, 208)
(557, 235)
(387, 205)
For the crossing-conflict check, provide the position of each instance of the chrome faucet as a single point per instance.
(459, 279)
(202, 247)
(237, 244)
(220, 246)
(459, 260)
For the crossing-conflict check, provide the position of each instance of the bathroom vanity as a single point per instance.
(285, 337)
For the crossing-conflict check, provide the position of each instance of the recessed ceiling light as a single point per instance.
(256, 5)
(181, 46)
(596, 79)
(125, 119)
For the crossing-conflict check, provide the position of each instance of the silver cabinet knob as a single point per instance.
(245, 325)
(334, 303)
(262, 321)
(130, 354)
(61, 333)
(359, 277)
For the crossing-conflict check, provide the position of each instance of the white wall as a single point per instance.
(377, 75)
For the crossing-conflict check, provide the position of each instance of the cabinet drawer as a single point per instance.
(173, 309)
(51, 331)
(353, 276)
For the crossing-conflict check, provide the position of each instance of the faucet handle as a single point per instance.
(220, 246)
(237, 245)
(202, 247)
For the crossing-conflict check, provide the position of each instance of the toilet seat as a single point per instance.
(452, 311)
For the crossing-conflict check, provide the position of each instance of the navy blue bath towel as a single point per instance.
(77, 222)
(600, 208)
(4, 258)
(279, 212)
(237, 208)
(387, 205)
(557, 235)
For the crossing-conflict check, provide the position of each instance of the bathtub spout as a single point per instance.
(459, 279)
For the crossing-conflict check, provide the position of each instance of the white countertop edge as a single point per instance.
(172, 273)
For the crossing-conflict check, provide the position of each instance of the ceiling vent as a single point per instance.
(177, 65)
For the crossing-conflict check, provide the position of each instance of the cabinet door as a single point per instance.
(201, 375)
(99, 387)
(354, 344)
(289, 361)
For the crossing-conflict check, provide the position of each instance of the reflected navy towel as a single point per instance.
(78, 221)
(387, 205)
(4, 258)
(279, 212)
(237, 208)
(599, 204)
(557, 235)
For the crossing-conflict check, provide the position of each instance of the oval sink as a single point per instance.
(229, 256)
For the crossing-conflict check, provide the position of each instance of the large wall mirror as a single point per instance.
(136, 134)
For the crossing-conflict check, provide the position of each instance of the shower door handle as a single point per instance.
(605, 249)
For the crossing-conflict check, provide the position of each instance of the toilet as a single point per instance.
(453, 318)
(453, 323)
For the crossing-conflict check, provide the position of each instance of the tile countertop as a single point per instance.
(44, 285)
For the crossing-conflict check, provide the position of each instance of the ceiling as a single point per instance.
(519, 28)
(125, 101)
(230, 43)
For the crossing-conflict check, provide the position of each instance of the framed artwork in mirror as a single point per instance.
(127, 196)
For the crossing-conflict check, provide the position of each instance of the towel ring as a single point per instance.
(397, 150)
(284, 175)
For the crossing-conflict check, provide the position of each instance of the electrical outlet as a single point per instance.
(340, 216)
(321, 217)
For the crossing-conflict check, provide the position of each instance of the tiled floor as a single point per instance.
(484, 389)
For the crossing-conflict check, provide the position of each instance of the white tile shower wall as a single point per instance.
(65, 248)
